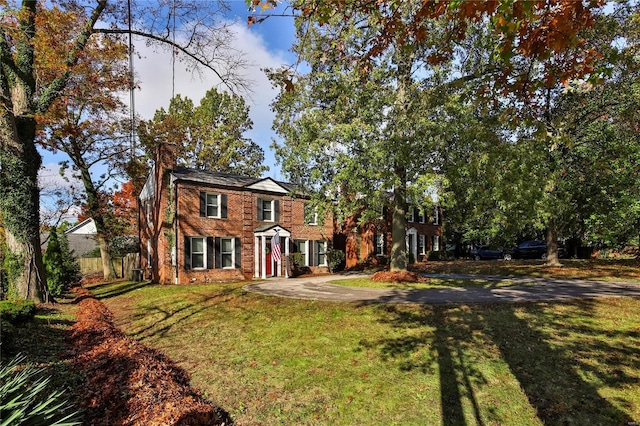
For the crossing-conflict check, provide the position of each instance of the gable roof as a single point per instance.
(233, 180)
(86, 227)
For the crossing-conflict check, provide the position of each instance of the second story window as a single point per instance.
(268, 210)
(310, 214)
(379, 242)
(213, 205)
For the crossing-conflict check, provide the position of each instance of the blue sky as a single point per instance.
(266, 44)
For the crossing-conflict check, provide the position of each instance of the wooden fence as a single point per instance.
(124, 266)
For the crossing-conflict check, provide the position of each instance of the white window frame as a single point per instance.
(217, 204)
(422, 241)
(148, 204)
(204, 253)
(324, 252)
(231, 254)
(436, 216)
(305, 250)
(271, 210)
(314, 215)
(379, 244)
(435, 241)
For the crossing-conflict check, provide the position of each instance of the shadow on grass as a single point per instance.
(171, 318)
(551, 374)
(446, 340)
(111, 289)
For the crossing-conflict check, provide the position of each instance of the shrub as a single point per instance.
(440, 255)
(336, 259)
(62, 269)
(297, 259)
(17, 311)
(26, 397)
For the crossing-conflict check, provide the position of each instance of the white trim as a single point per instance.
(218, 204)
(204, 253)
(269, 185)
(233, 253)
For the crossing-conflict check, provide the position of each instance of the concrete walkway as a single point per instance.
(544, 289)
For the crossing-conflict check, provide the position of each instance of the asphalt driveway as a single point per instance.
(543, 289)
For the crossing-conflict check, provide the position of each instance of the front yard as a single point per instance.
(270, 361)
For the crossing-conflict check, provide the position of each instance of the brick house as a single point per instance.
(200, 226)
(372, 241)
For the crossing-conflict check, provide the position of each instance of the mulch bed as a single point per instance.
(398, 277)
(128, 383)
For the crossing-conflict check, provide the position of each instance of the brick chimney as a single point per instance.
(167, 156)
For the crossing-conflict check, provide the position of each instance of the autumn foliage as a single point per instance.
(398, 277)
(128, 383)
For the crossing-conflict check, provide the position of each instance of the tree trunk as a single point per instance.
(108, 271)
(551, 238)
(20, 205)
(96, 210)
(27, 280)
(399, 259)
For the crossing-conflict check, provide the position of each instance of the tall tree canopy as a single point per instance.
(209, 136)
(358, 138)
(28, 41)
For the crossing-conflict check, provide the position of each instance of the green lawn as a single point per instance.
(277, 361)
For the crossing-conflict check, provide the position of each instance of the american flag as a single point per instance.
(275, 247)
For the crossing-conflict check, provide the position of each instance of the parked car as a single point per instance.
(534, 249)
(486, 252)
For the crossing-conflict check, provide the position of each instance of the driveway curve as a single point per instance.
(544, 289)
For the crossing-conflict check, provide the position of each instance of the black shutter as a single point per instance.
(276, 208)
(203, 204)
(312, 253)
(209, 252)
(187, 253)
(260, 209)
(218, 259)
(237, 245)
(223, 207)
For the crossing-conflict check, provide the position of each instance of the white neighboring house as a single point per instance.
(82, 238)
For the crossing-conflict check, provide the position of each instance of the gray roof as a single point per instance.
(225, 179)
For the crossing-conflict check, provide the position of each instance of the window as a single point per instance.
(227, 252)
(378, 240)
(198, 252)
(310, 214)
(213, 205)
(300, 246)
(148, 208)
(416, 215)
(321, 248)
(421, 241)
(436, 216)
(268, 210)
(435, 243)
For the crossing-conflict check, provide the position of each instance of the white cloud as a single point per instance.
(58, 194)
(154, 72)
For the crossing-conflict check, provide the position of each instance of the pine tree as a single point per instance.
(62, 268)
(53, 263)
